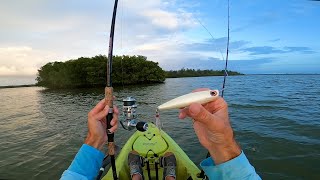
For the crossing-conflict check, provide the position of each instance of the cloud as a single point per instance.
(304, 50)
(15, 61)
(180, 54)
(158, 16)
(244, 66)
(263, 50)
(257, 21)
(217, 44)
(267, 65)
(275, 40)
(170, 20)
(301, 8)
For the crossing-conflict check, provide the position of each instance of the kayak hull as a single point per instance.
(151, 145)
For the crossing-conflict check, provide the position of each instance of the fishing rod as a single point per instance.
(109, 94)
(227, 56)
(128, 107)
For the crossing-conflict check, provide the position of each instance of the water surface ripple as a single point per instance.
(276, 120)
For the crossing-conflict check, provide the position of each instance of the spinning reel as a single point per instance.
(129, 112)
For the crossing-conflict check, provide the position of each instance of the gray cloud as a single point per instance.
(263, 50)
(248, 66)
(244, 66)
(215, 45)
(304, 50)
(275, 40)
(257, 20)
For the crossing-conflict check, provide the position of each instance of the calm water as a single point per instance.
(13, 81)
(276, 119)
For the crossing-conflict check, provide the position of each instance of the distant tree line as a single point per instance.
(197, 73)
(90, 72)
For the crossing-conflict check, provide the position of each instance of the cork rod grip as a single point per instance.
(109, 96)
(109, 102)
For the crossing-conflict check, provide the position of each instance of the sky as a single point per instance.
(265, 36)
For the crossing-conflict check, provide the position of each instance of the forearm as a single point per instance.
(236, 168)
(225, 152)
(85, 165)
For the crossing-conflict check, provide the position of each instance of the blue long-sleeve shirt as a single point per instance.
(88, 161)
(237, 168)
(85, 165)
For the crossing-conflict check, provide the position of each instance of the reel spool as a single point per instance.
(129, 112)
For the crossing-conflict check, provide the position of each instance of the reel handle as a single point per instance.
(142, 126)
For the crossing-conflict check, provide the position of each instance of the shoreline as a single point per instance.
(34, 85)
(18, 86)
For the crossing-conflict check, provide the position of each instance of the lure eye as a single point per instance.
(213, 93)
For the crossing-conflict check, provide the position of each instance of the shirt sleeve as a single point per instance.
(85, 165)
(237, 168)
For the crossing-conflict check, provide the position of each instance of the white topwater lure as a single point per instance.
(201, 97)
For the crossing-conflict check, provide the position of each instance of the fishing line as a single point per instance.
(227, 54)
(211, 37)
(121, 47)
(202, 174)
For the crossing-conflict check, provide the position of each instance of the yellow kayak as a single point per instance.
(151, 145)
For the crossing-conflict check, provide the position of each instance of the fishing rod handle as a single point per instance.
(109, 102)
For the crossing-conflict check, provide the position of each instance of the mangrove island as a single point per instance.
(91, 72)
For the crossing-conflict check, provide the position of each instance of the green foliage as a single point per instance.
(196, 73)
(90, 72)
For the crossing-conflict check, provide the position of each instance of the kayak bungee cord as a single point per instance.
(109, 94)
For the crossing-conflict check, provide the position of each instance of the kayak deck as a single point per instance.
(151, 145)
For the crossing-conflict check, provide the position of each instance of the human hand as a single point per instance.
(97, 125)
(212, 126)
